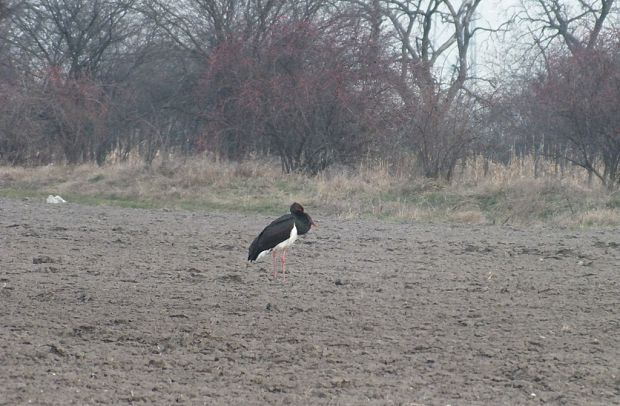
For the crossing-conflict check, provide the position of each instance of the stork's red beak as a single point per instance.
(313, 224)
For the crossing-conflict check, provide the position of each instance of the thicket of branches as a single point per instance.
(313, 83)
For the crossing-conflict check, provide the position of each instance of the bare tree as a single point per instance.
(8, 7)
(200, 26)
(298, 96)
(74, 36)
(69, 48)
(578, 102)
(578, 24)
(430, 95)
(426, 36)
(571, 103)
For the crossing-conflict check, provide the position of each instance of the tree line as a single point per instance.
(313, 82)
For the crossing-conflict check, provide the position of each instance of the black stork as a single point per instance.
(280, 235)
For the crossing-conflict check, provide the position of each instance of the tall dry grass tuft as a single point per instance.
(478, 170)
(479, 192)
(598, 217)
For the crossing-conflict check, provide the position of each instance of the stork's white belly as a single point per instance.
(287, 243)
(283, 245)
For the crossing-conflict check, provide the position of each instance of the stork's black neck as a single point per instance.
(303, 222)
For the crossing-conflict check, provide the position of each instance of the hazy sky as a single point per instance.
(489, 48)
(494, 11)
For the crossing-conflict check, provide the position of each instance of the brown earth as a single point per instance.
(127, 306)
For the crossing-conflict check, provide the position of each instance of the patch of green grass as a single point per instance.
(96, 178)
(415, 194)
(554, 204)
(440, 199)
(266, 206)
(613, 202)
(21, 193)
(92, 200)
(493, 205)
(263, 206)
(491, 202)
(111, 200)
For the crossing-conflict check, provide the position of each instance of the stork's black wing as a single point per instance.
(279, 230)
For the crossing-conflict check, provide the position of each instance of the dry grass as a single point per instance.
(505, 194)
(595, 218)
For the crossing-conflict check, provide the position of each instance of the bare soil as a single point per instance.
(105, 305)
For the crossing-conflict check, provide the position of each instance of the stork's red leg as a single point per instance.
(273, 260)
(284, 264)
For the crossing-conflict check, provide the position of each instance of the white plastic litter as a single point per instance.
(55, 199)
